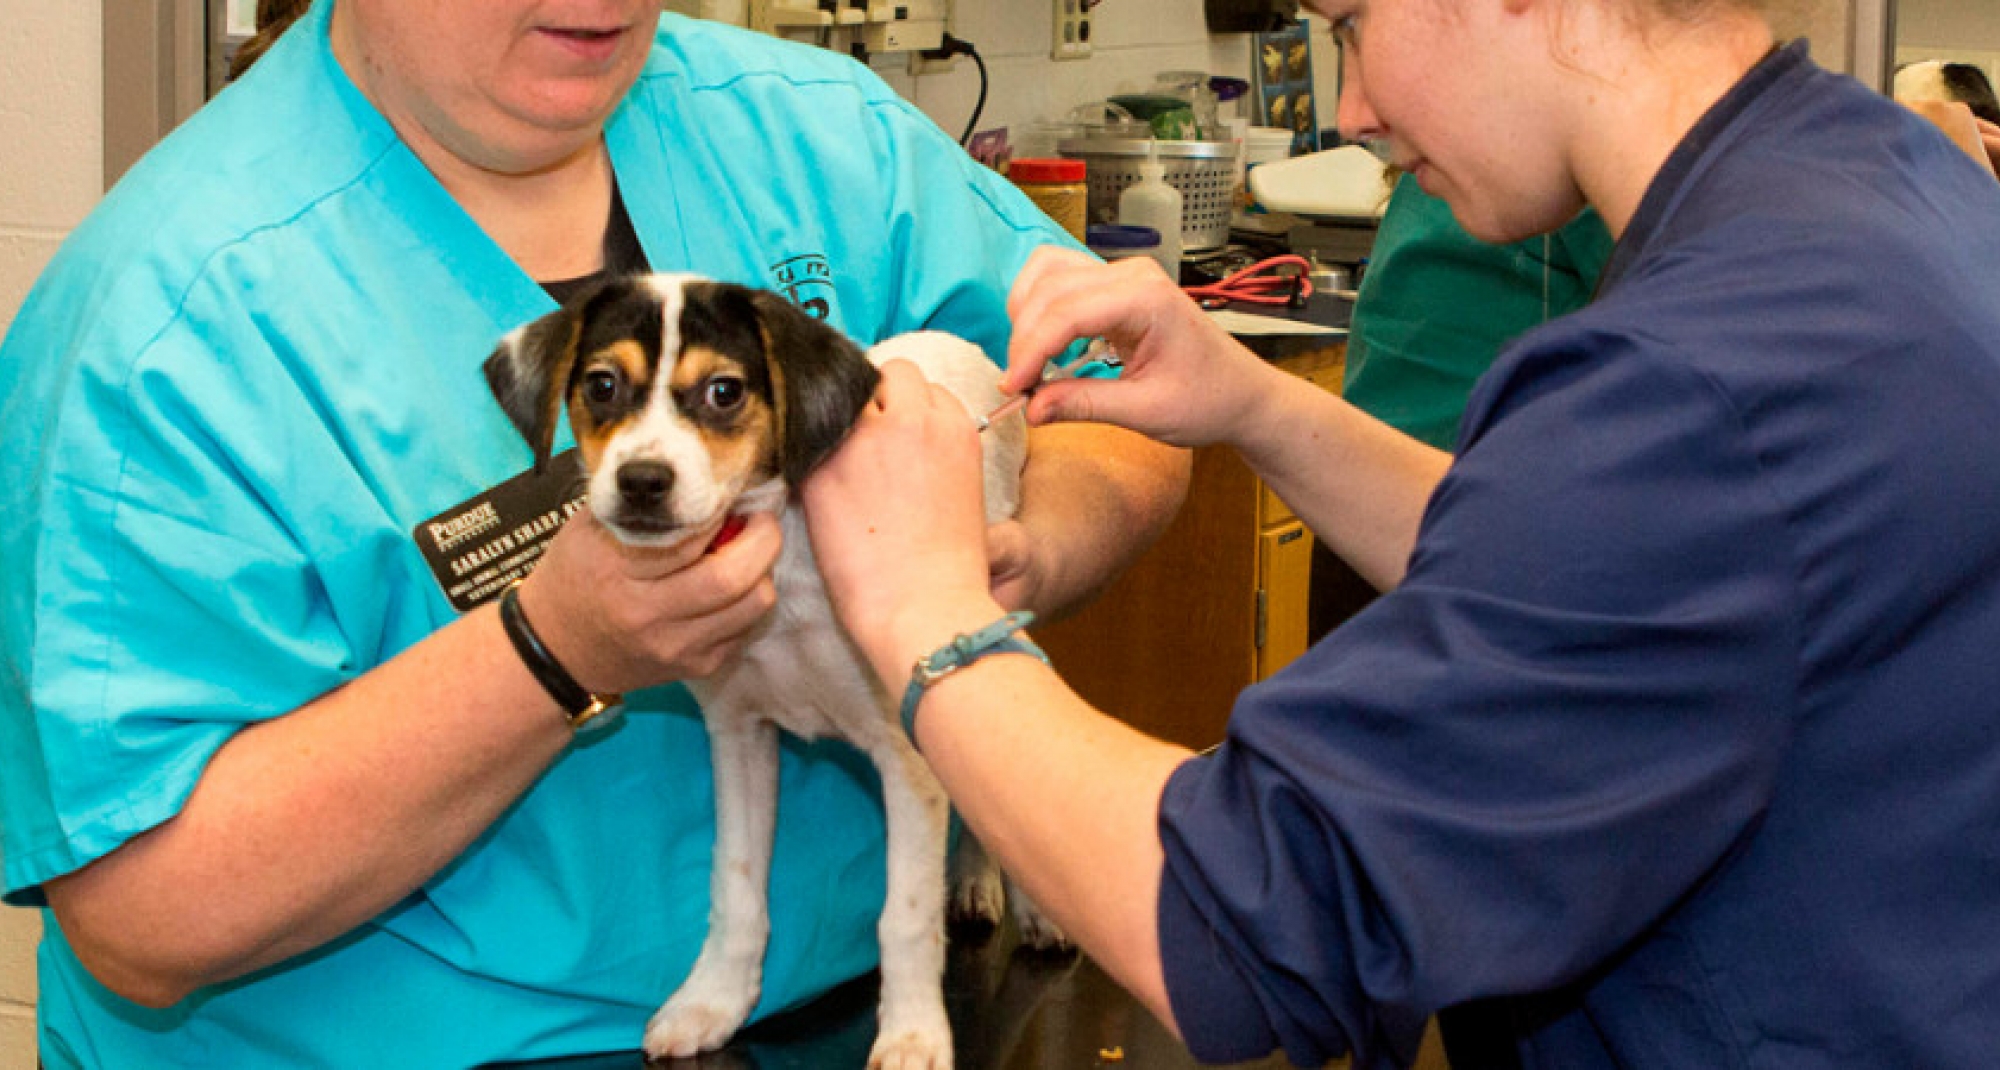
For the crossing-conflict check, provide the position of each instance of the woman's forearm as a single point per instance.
(305, 826)
(1359, 484)
(1093, 497)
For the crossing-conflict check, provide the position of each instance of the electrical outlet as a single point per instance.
(919, 66)
(1071, 39)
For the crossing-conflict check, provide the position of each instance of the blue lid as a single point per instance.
(1120, 236)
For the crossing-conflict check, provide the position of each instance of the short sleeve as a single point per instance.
(167, 598)
(963, 232)
(1508, 767)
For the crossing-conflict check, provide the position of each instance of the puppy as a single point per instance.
(692, 400)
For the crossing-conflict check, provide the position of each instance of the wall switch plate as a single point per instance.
(1071, 39)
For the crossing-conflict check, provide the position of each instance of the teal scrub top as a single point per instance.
(1437, 304)
(226, 405)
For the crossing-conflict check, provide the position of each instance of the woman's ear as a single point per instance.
(820, 380)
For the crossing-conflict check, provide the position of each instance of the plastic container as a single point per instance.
(1059, 187)
(1113, 241)
(1102, 119)
(1151, 202)
(1261, 144)
(1266, 144)
(1204, 172)
(1038, 139)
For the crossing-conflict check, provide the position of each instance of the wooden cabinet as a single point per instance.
(1220, 602)
(1284, 582)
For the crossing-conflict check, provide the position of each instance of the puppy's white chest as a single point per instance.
(801, 672)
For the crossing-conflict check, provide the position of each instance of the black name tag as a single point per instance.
(475, 549)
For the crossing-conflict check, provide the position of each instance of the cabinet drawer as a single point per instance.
(1284, 596)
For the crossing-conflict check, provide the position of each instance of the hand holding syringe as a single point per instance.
(1099, 354)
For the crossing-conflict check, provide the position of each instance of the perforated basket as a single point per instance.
(1204, 172)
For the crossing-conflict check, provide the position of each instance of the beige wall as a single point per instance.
(1962, 31)
(1825, 23)
(51, 122)
(1131, 42)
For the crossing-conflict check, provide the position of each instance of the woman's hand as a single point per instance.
(621, 617)
(898, 523)
(1186, 382)
(1989, 137)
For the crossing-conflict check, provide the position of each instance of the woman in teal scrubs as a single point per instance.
(284, 800)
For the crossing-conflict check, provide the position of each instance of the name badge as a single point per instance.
(478, 547)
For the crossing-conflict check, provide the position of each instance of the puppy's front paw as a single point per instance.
(912, 1049)
(700, 1017)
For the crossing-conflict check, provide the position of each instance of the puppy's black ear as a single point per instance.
(529, 373)
(819, 382)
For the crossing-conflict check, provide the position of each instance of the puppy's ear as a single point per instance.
(819, 382)
(529, 373)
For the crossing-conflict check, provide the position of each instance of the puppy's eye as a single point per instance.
(601, 386)
(723, 393)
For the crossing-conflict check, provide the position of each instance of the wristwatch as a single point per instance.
(579, 704)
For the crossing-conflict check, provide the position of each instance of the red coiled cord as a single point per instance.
(1260, 284)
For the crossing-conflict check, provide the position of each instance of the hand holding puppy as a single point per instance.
(898, 524)
(622, 617)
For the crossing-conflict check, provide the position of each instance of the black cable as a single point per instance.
(949, 46)
(980, 105)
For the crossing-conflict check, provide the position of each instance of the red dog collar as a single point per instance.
(731, 527)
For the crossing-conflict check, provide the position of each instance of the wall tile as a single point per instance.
(20, 931)
(17, 1038)
(23, 254)
(51, 113)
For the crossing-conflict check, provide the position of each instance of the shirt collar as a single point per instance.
(1690, 155)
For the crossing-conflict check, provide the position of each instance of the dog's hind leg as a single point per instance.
(980, 890)
(977, 894)
(915, 1034)
(728, 975)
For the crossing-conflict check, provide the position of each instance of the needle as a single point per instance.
(1007, 408)
(1099, 353)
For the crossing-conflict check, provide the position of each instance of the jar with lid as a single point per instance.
(1057, 187)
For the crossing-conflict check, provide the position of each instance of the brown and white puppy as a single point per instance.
(692, 399)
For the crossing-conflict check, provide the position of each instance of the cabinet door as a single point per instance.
(1284, 588)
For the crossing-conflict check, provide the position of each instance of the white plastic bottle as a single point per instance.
(1151, 202)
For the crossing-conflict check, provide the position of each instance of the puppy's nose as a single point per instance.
(645, 484)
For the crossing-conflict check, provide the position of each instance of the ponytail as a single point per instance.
(274, 17)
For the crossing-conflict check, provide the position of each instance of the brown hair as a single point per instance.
(274, 17)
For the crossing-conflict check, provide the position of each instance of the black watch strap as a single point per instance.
(577, 702)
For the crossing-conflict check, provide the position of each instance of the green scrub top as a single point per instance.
(1436, 305)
